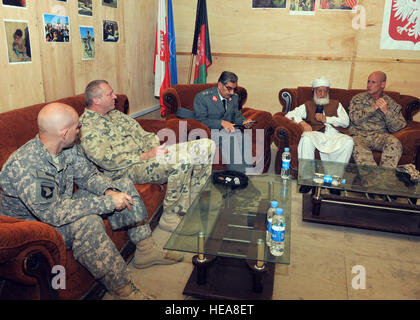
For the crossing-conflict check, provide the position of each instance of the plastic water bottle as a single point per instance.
(336, 181)
(278, 228)
(270, 214)
(285, 166)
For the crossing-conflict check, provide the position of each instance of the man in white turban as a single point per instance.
(323, 122)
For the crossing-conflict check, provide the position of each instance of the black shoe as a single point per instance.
(336, 192)
(305, 189)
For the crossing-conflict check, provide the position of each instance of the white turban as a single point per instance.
(321, 82)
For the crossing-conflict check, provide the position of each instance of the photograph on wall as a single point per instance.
(56, 28)
(401, 26)
(85, 8)
(337, 4)
(302, 7)
(18, 41)
(110, 3)
(15, 3)
(87, 36)
(269, 4)
(110, 31)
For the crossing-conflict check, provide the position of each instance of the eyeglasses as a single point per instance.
(229, 88)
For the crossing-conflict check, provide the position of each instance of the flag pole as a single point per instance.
(190, 71)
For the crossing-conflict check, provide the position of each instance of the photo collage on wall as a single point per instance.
(305, 7)
(56, 28)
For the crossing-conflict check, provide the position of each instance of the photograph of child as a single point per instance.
(18, 41)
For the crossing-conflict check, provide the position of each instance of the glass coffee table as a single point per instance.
(227, 230)
(372, 197)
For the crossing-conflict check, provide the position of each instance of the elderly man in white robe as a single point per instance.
(323, 122)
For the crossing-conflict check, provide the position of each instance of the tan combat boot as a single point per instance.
(130, 292)
(148, 253)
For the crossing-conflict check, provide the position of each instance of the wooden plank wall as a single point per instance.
(57, 69)
(269, 49)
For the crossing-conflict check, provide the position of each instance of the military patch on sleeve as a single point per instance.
(46, 188)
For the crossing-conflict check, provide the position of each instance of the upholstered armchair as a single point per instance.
(287, 133)
(182, 95)
(30, 249)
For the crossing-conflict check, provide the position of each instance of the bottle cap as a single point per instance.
(279, 211)
(286, 149)
(274, 204)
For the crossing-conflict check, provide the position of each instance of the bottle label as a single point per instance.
(285, 165)
(269, 225)
(277, 233)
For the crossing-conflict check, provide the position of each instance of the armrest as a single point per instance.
(19, 239)
(410, 139)
(410, 106)
(171, 100)
(288, 98)
(263, 118)
(286, 132)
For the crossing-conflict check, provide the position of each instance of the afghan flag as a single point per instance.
(161, 64)
(201, 44)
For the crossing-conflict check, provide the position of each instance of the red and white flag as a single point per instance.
(401, 25)
(161, 65)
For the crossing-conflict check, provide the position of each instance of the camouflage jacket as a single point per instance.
(35, 186)
(365, 120)
(114, 143)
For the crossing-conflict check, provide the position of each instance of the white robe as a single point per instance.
(332, 144)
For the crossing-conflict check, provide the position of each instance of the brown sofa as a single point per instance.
(29, 249)
(182, 95)
(287, 133)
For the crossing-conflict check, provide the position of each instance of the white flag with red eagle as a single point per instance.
(161, 65)
(401, 25)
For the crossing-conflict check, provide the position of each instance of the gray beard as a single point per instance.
(321, 101)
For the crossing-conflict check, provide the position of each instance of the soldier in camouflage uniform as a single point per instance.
(373, 117)
(122, 148)
(37, 183)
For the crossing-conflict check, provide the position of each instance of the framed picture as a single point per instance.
(302, 7)
(110, 3)
(56, 28)
(18, 41)
(87, 37)
(14, 3)
(337, 4)
(110, 31)
(269, 4)
(85, 8)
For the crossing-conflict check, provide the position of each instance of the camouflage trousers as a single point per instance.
(93, 248)
(389, 145)
(185, 168)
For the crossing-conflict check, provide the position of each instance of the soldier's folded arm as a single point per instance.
(359, 113)
(395, 121)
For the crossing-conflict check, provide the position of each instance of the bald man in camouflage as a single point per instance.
(374, 116)
(37, 184)
(122, 148)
